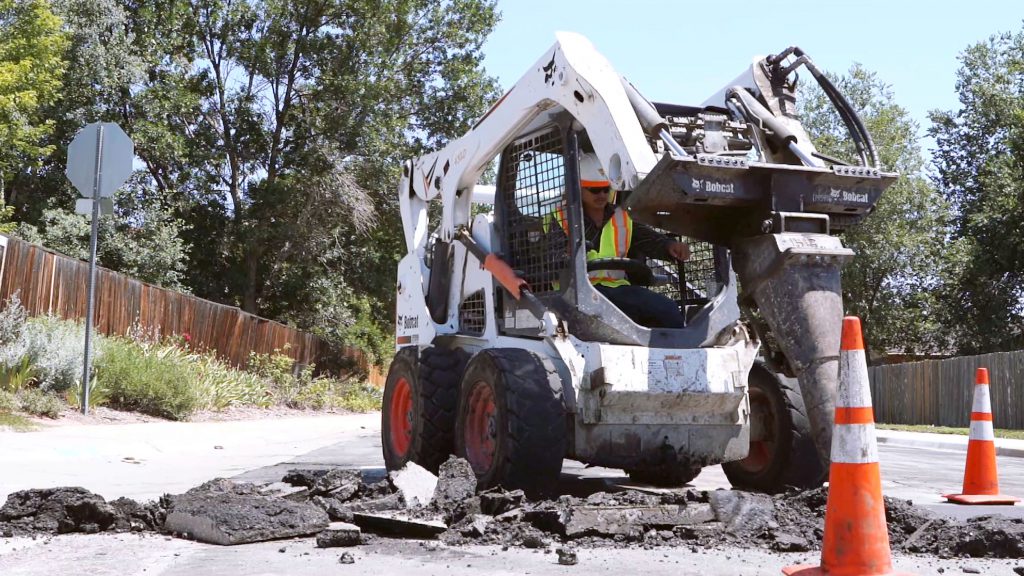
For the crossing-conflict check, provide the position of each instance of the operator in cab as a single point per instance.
(609, 232)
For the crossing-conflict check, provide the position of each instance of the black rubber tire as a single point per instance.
(794, 461)
(434, 377)
(668, 476)
(529, 427)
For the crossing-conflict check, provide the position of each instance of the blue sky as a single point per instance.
(684, 51)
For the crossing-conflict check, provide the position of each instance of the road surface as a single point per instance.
(143, 461)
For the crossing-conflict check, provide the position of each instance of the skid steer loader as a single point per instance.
(509, 357)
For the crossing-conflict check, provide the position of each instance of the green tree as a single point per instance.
(142, 238)
(275, 130)
(270, 134)
(892, 282)
(979, 154)
(142, 242)
(32, 65)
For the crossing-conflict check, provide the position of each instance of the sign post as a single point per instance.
(99, 162)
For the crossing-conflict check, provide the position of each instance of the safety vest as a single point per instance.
(616, 236)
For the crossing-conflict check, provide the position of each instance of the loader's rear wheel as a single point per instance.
(511, 425)
(782, 452)
(418, 413)
(668, 476)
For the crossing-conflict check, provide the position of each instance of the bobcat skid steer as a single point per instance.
(508, 356)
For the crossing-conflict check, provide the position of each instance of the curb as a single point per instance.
(1008, 451)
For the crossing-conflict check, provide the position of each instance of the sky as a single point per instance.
(684, 51)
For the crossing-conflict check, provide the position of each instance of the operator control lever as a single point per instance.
(517, 287)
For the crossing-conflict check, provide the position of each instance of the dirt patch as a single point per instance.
(102, 415)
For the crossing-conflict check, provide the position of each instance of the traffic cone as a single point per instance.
(856, 541)
(981, 481)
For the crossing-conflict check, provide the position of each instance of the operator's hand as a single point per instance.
(679, 250)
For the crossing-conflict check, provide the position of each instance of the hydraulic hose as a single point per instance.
(861, 137)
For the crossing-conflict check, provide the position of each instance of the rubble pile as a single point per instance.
(68, 510)
(341, 508)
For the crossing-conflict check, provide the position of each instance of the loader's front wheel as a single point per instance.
(511, 424)
(782, 452)
(418, 412)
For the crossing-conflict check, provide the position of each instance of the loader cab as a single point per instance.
(537, 176)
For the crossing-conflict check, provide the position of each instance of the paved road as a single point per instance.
(918, 474)
(143, 461)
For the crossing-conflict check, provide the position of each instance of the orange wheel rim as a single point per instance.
(401, 418)
(759, 456)
(481, 432)
(762, 450)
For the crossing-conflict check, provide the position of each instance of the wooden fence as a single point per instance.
(940, 392)
(51, 283)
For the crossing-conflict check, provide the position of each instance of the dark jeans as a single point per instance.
(643, 306)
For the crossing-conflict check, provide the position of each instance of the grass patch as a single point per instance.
(16, 422)
(1000, 432)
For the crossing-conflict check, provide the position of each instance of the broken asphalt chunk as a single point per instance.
(498, 501)
(398, 525)
(226, 519)
(415, 483)
(286, 491)
(627, 520)
(567, 556)
(339, 534)
(743, 513)
(341, 483)
(455, 482)
(57, 511)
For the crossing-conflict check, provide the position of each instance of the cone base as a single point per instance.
(808, 570)
(979, 499)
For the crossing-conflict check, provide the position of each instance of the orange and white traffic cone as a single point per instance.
(856, 541)
(981, 480)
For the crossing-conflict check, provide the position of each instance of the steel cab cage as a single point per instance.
(537, 175)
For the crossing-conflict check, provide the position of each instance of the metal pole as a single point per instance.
(92, 269)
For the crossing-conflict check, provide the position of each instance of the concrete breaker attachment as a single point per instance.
(777, 219)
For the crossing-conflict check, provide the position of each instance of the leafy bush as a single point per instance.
(21, 375)
(12, 321)
(285, 378)
(8, 402)
(13, 345)
(164, 380)
(150, 379)
(295, 386)
(359, 396)
(153, 376)
(53, 347)
(220, 386)
(40, 403)
(366, 333)
(57, 349)
(98, 395)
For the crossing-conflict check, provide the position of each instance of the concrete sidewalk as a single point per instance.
(145, 461)
(955, 442)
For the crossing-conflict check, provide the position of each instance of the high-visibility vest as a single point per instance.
(616, 236)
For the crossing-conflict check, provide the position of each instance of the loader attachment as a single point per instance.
(777, 220)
